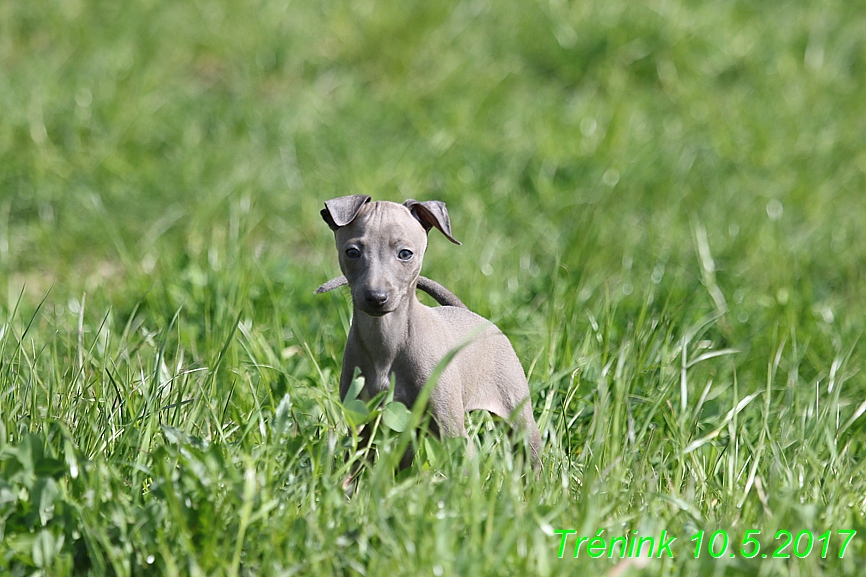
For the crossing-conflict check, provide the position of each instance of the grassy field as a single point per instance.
(661, 203)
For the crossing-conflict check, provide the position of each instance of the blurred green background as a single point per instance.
(617, 171)
(147, 139)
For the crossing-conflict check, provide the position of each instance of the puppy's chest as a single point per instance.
(408, 378)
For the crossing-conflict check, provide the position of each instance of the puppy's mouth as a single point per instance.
(374, 310)
(375, 302)
(376, 314)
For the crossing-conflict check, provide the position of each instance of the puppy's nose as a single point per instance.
(376, 298)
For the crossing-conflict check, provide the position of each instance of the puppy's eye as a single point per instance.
(353, 252)
(405, 254)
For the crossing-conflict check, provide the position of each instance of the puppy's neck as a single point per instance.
(387, 336)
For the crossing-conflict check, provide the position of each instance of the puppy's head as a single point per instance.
(381, 247)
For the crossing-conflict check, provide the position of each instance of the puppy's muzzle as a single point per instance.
(376, 302)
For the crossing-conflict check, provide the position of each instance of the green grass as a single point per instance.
(661, 203)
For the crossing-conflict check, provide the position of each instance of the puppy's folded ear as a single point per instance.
(432, 213)
(341, 211)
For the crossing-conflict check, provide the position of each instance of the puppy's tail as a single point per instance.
(332, 284)
(442, 295)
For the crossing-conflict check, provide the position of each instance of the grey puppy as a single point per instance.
(381, 247)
